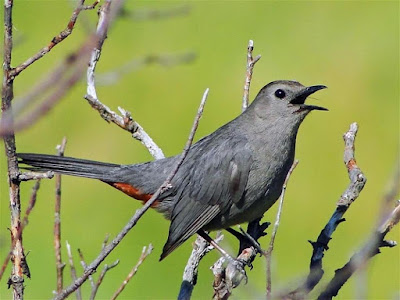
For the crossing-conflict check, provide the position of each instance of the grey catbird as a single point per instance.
(231, 176)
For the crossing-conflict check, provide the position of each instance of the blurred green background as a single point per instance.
(352, 47)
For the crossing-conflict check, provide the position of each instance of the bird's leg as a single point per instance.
(249, 238)
(205, 236)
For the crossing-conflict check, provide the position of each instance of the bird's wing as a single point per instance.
(211, 181)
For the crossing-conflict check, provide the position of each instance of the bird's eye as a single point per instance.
(280, 94)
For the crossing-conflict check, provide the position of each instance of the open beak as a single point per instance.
(302, 96)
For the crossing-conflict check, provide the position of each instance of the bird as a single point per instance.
(231, 176)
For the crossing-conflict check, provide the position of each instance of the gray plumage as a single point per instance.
(229, 177)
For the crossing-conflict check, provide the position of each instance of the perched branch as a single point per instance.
(73, 271)
(368, 251)
(125, 121)
(139, 213)
(200, 248)
(357, 182)
(57, 223)
(55, 40)
(230, 275)
(145, 252)
(268, 254)
(249, 74)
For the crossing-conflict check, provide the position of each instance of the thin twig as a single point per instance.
(106, 268)
(249, 74)
(57, 222)
(268, 254)
(84, 266)
(357, 182)
(24, 223)
(55, 40)
(73, 271)
(139, 213)
(145, 252)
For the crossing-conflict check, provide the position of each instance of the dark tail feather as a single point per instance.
(69, 166)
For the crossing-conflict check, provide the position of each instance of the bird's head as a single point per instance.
(285, 99)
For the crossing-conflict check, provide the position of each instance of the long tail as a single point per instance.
(69, 166)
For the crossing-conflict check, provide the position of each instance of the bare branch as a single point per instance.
(125, 121)
(249, 74)
(73, 271)
(24, 223)
(84, 266)
(106, 268)
(359, 259)
(268, 254)
(55, 40)
(57, 223)
(139, 213)
(200, 248)
(145, 252)
(19, 264)
(357, 182)
(72, 69)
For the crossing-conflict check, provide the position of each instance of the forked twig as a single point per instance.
(145, 252)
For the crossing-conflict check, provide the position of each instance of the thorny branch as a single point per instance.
(139, 213)
(145, 252)
(357, 182)
(57, 223)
